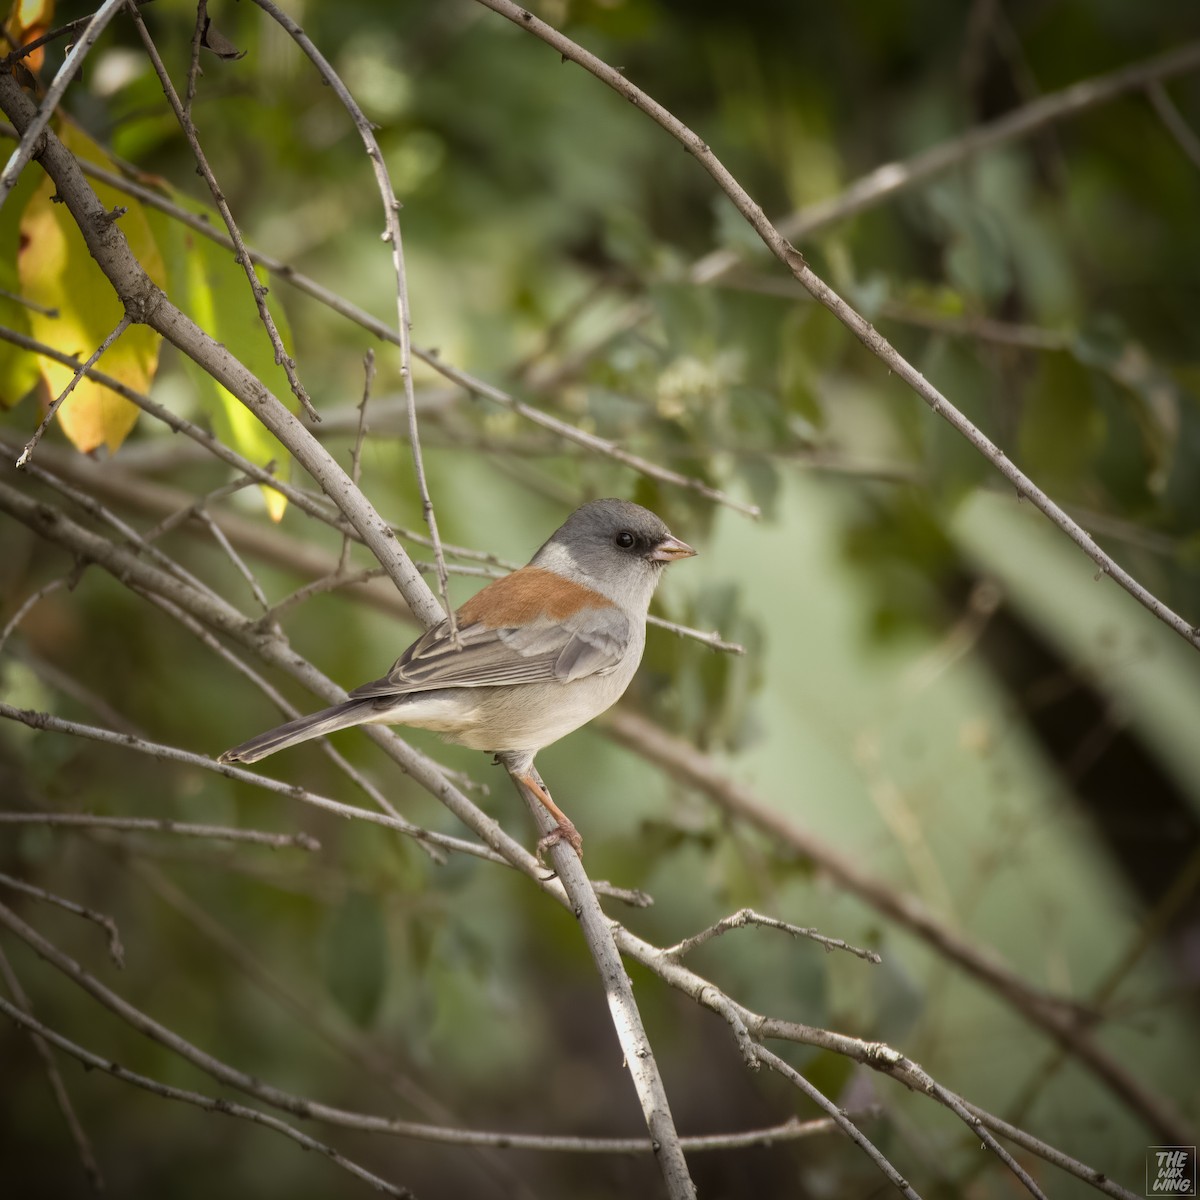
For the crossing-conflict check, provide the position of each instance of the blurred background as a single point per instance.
(937, 689)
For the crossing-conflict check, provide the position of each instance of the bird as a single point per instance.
(530, 658)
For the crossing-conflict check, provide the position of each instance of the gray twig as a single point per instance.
(184, 117)
(223, 833)
(391, 211)
(62, 1097)
(56, 404)
(778, 244)
(33, 131)
(115, 949)
(847, 1126)
(229, 1108)
(747, 916)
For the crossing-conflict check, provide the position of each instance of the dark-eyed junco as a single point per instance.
(539, 653)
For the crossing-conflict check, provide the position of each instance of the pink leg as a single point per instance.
(565, 831)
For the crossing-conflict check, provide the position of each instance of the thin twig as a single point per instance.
(1063, 1020)
(875, 1055)
(713, 639)
(27, 606)
(222, 833)
(186, 512)
(62, 1097)
(144, 578)
(32, 133)
(360, 433)
(462, 379)
(53, 35)
(177, 424)
(289, 711)
(95, 508)
(348, 579)
(1184, 135)
(25, 302)
(194, 71)
(234, 557)
(847, 1126)
(278, 548)
(41, 720)
(590, 441)
(183, 116)
(787, 1131)
(984, 329)
(391, 209)
(227, 1107)
(287, 1101)
(778, 244)
(112, 253)
(56, 404)
(747, 916)
(887, 180)
(115, 949)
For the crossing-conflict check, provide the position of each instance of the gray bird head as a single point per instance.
(616, 547)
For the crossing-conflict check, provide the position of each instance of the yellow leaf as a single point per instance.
(211, 287)
(19, 370)
(56, 270)
(27, 21)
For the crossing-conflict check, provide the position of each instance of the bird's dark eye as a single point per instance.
(625, 539)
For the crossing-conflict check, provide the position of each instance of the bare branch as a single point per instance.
(222, 833)
(462, 379)
(56, 404)
(115, 949)
(1184, 135)
(36, 126)
(142, 575)
(747, 916)
(356, 453)
(847, 1126)
(107, 244)
(184, 117)
(1064, 1021)
(28, 604)
(40, 720)
(618, 991)
(886, 181)
(875, 1055)
(228, 1107)
(62, 1098)
(391, 208)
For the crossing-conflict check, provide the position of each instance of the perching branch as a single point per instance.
(618, 991)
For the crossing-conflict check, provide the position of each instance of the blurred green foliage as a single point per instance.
(970, 754)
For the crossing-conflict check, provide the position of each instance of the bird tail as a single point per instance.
(340, 716)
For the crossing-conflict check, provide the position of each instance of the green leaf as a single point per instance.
(356, 956)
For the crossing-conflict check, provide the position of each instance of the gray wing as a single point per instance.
(592, 642)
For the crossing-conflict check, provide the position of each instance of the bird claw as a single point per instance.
(564, 831)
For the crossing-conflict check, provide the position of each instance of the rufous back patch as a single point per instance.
(527, 594)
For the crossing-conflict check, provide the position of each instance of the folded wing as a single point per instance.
(590, 642)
